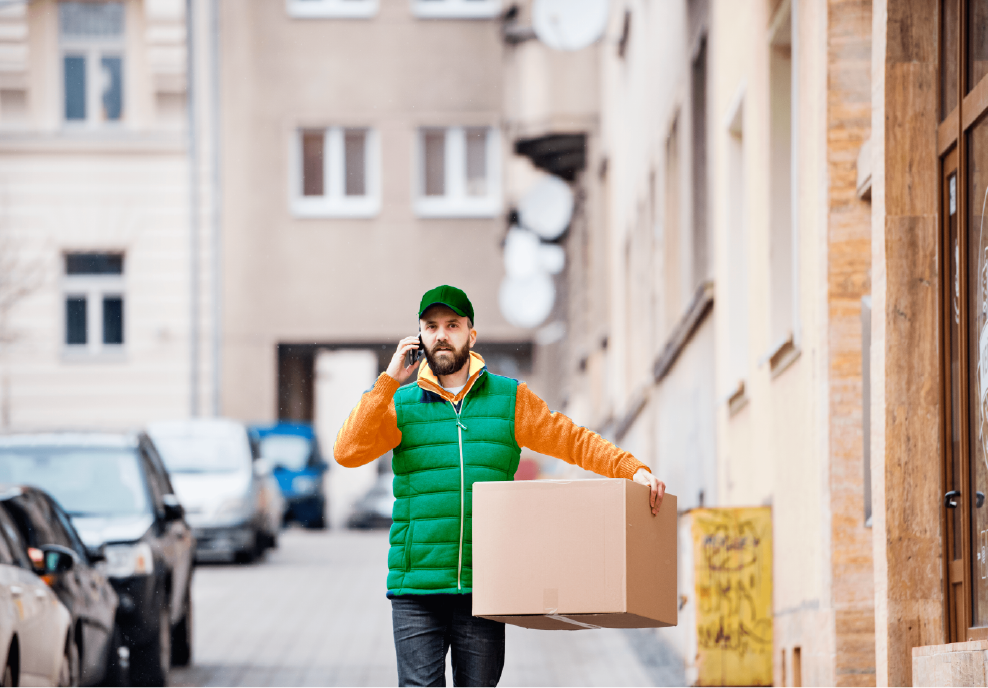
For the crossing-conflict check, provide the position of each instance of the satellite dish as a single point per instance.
(569, 24)
(547, 208)
(522, 256)
(527, 301)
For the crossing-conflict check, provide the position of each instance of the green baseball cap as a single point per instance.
(450, 297)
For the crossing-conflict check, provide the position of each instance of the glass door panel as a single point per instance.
(977, 42)
(977, 378)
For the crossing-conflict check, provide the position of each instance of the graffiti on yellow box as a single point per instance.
(732, 556)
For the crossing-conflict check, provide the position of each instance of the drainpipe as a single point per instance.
(193, 214)
(217, 213)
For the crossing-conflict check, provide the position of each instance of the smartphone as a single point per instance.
(413, 357)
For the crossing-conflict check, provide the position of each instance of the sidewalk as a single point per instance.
(315, 613)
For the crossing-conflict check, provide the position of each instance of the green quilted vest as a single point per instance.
(439, 459)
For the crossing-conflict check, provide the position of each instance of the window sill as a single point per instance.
(737, 399)
(782, 356)
(334, 9)
(433, 9)
(442, 207)
(84, 355)
(89, 141)
(364, 208)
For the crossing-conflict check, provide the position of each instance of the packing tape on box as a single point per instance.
(550, 604)
(560, 617)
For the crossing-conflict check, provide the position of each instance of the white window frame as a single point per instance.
(92, 49)
(334, 203)
(456, 202)
(93, 288)
(331, 9)
(456, 9)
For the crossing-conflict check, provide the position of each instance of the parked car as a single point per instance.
(373, 510)
(117, 494)
(293, 451)
(35, 647)
(227, 490)
(84, 590)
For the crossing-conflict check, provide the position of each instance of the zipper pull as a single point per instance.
(460, 423)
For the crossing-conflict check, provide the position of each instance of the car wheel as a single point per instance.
(68, 671)
(117, 661)
(182, 635)
(271, 540)
(150, 662)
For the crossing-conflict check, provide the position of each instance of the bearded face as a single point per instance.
(444, 359)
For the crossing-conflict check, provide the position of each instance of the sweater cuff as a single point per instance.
(386, 385)
(629, 465)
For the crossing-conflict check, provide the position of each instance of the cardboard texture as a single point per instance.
(569, 555)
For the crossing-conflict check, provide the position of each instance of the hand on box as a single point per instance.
(658, 488)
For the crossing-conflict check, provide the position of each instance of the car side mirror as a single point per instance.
(57, 559)
(96, 554)
(173, 508)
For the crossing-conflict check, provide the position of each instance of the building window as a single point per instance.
(698, 92)
(737, 247)
(456, 9)
(91, 36)
(332, 9)
(782, 226)
(336, 173)
(459, 172)
(94, 302)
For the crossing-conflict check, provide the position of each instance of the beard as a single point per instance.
(451, 360)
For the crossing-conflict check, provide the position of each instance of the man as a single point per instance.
(458, 425)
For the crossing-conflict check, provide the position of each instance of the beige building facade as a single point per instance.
(363, 164)
(734, 253)
(107, 269)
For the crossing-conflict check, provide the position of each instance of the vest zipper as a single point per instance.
(460, 427)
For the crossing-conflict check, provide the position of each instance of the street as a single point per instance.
(314, 612)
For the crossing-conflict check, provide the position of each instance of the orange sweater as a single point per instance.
(372, 428)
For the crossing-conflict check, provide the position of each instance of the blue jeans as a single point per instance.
(426, 626)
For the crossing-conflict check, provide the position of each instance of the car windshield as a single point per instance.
(202, 452)
(86, 481)
(289, 451)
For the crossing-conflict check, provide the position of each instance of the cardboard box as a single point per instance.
(566, 555)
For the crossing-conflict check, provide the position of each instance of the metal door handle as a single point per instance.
(950, 499)
(16, 590)
(38, 592)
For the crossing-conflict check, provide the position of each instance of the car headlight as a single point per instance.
(234, 508)
(123, 561)
(304, 484)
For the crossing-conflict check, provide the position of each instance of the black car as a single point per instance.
(83, 589)
(118, 496)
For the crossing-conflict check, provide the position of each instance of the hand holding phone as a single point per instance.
(413, 356)
(409, 351)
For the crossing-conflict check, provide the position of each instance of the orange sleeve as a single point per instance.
(548, 432)
(372, 428)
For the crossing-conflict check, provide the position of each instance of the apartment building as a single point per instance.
(104, 274)
(363, 158)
